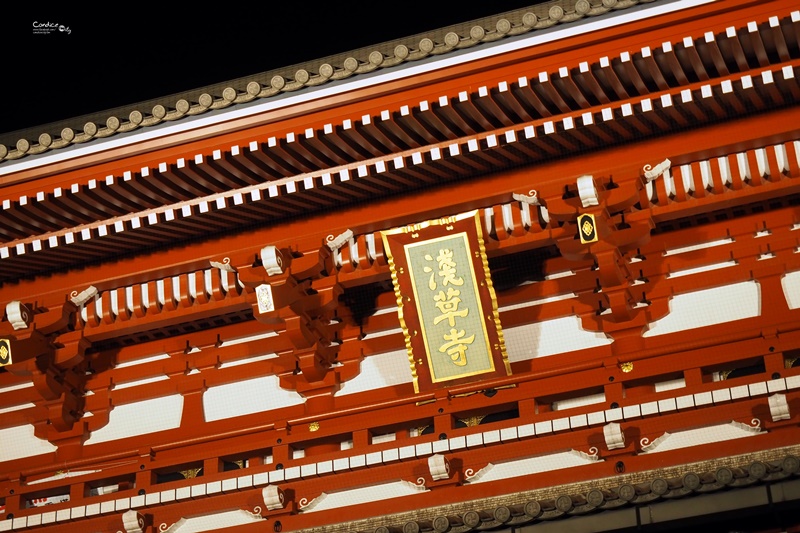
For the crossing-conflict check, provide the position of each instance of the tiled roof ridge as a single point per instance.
(362, 61)
(591, 496)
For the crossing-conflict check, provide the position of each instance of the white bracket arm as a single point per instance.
(273, 497)
(439, 467)
(615, 438)
(18, 315)
(588, 191)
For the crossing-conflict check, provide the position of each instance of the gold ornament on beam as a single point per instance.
(587, 229)
(5, 352)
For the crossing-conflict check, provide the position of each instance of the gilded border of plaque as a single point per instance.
(446, 301)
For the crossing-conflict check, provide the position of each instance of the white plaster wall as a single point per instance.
(378, 371)
(138, 418)
(708, 307)
(550, 337)
(791, 289)
(19, 441)
(247, 397)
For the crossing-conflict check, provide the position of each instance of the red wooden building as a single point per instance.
(540, 271)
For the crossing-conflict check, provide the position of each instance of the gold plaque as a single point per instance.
(444, 291)
(587, 228)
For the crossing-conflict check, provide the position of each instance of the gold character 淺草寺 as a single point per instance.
(448, 306)
(456, 347)
(447, 302)
(447, 268)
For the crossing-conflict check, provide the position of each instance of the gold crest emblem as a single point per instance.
(587, 229)
(5, 352)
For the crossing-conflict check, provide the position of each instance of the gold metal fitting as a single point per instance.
(626, 367)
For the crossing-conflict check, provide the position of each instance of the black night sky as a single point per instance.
(108, 59)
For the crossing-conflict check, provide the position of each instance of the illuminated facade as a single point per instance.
(586, 214)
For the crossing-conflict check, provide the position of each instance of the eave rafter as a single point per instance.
(765, 177)
(426, 154)
(189, 219)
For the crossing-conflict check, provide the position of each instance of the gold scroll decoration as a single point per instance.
(5, 352)
(446, 302)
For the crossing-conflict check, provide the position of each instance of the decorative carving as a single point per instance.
(471, 421)
(84, 296)
(255, 513)
(164, 528)
(591, 456)
(646, 445)
(190, 473)
(18, 315)
(334, 243)
(532, 198)
(272, 259)
(615, 437)
(651, 173)
(225, 265)
(273, 497)
(439, 467)
(587, 191)
(133, 522)
(779, 407)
